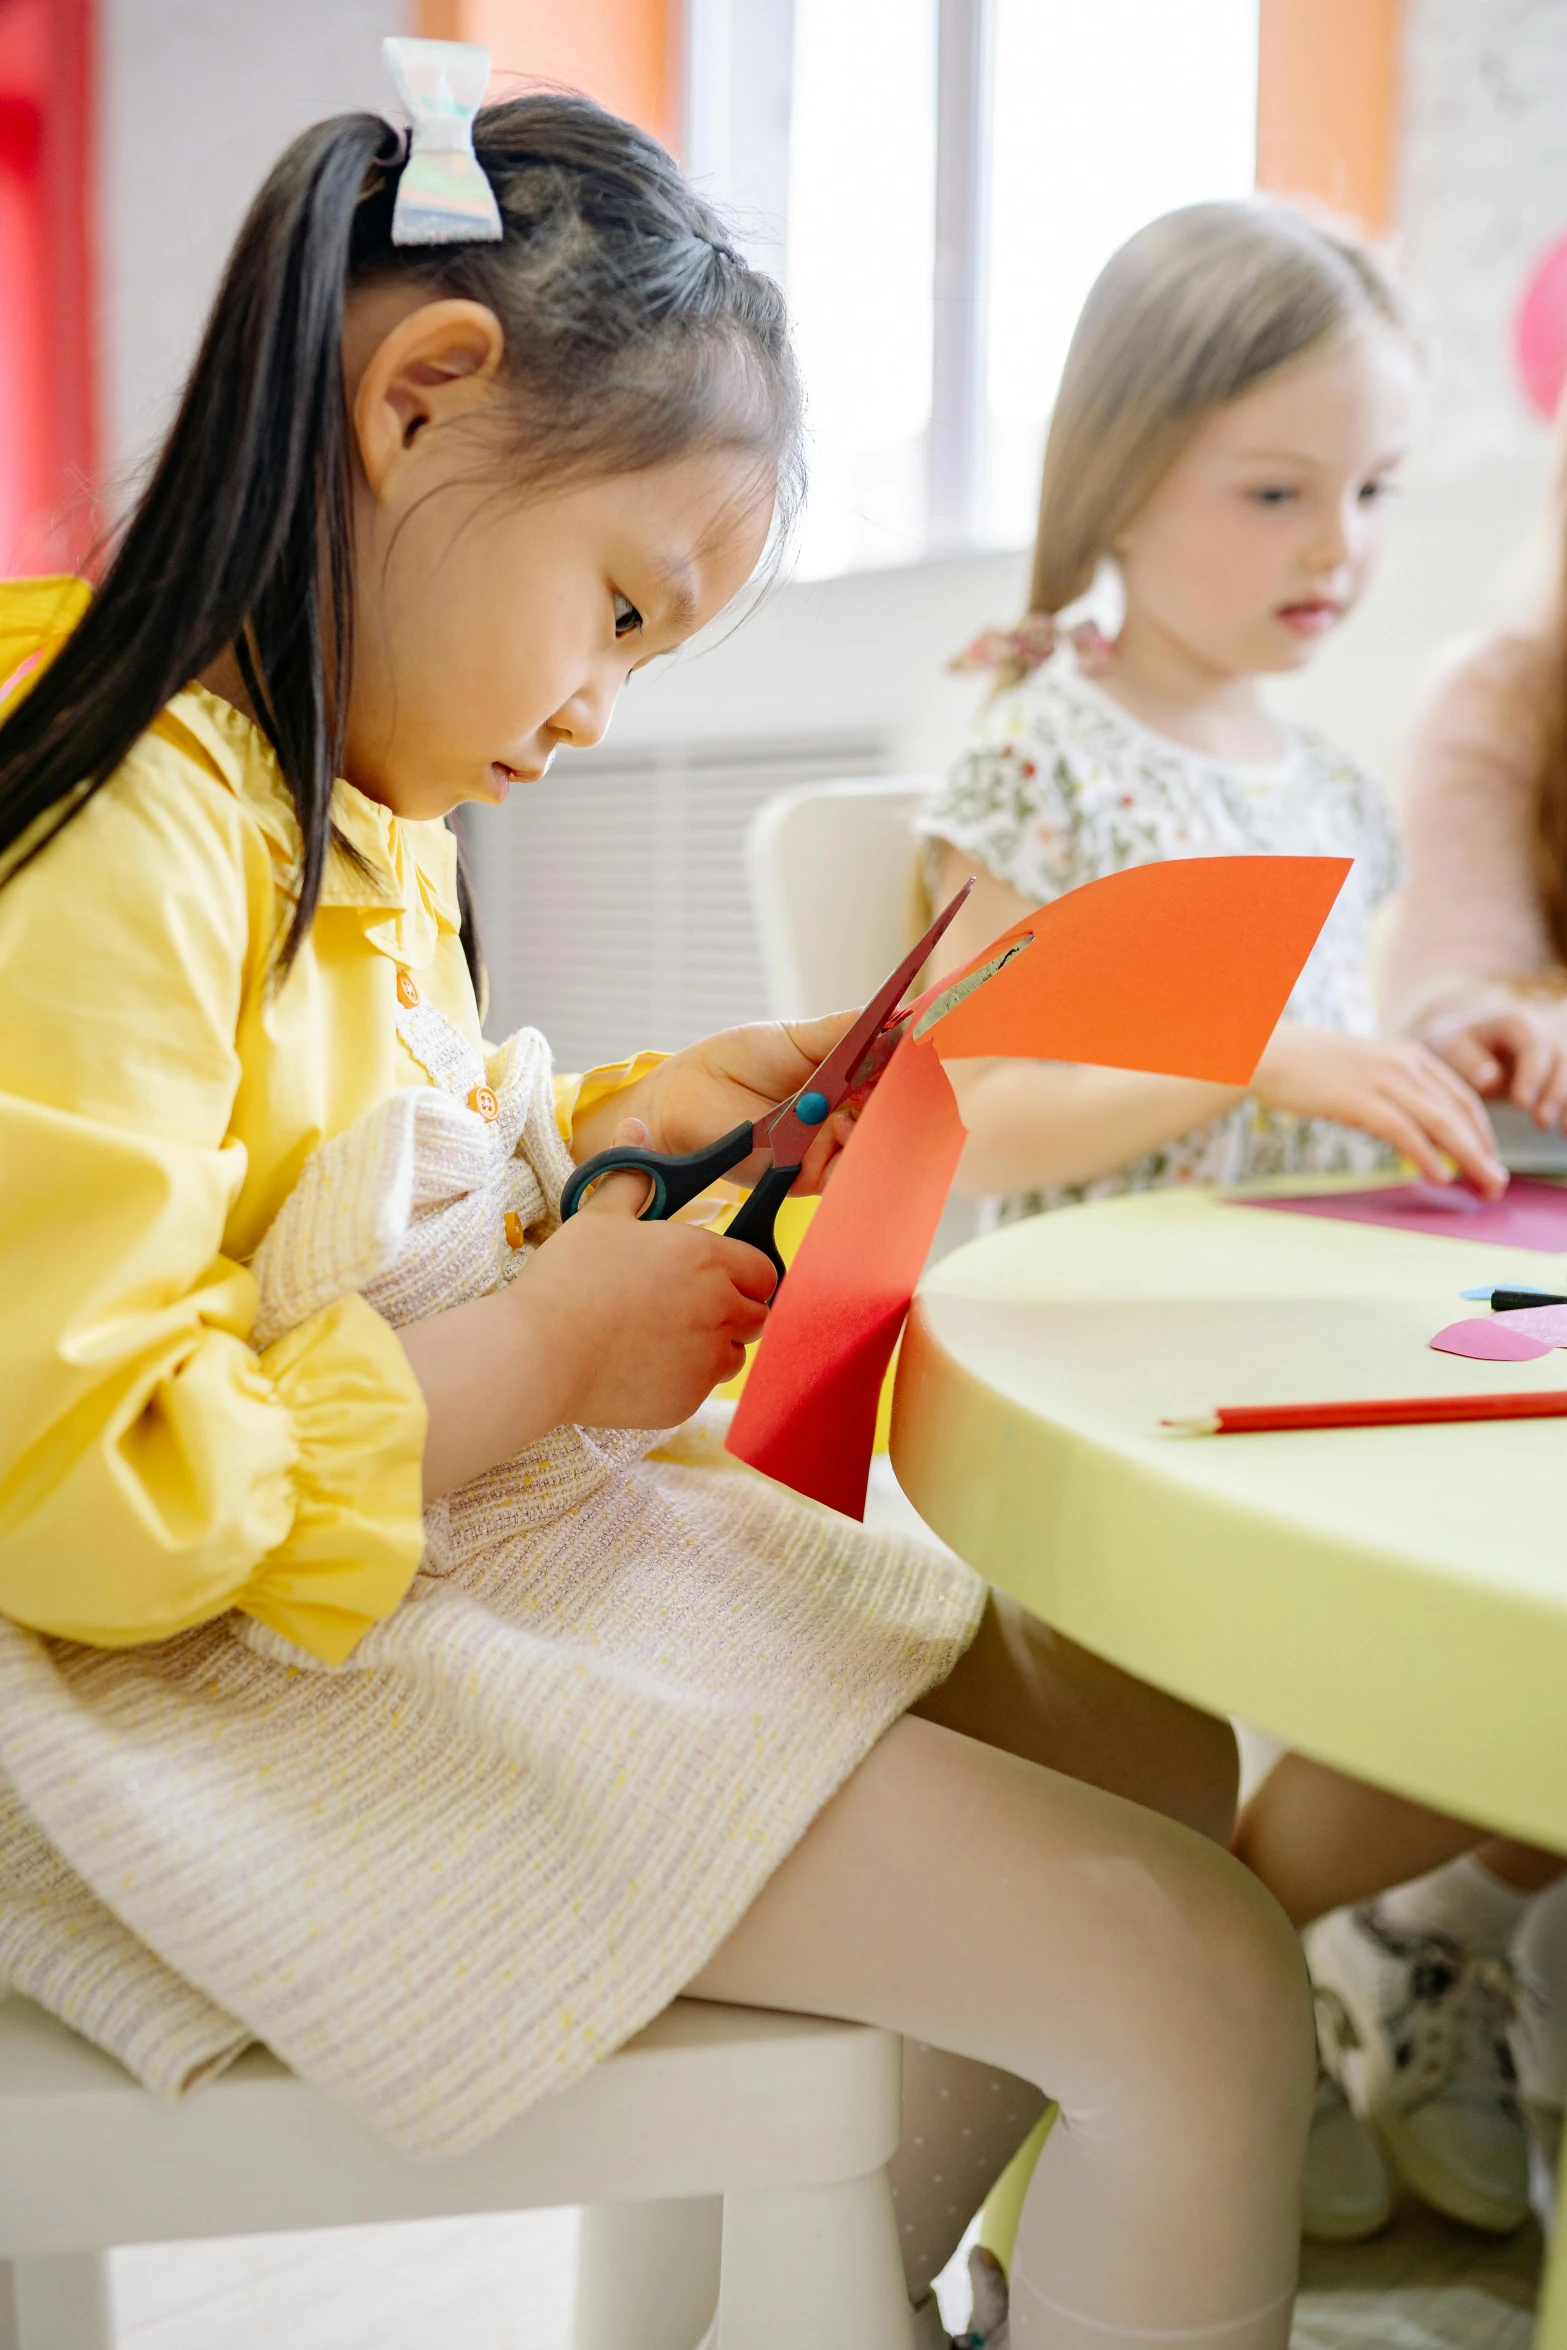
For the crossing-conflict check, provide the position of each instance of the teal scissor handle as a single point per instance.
(677, 1177)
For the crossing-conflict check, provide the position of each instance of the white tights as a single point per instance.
(962, 2124)
(963, 1890)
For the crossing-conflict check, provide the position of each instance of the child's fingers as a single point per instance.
(828, 1143)
(1408, 1137)
(1533, 1057)
(1551, 1108)
(628, 1194)
(1451, 1121)
(1473, 1059)
(751, 1273)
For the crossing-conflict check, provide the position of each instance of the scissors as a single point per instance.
(787, 1132)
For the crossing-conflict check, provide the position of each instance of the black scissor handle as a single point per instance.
(677, 1177)
(754, 1221)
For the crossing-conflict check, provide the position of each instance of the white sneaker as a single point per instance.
(1430, 2064)
(1346, 2194)
(989, 2327)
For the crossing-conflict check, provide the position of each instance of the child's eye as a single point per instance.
(627, 618)
(1371, 493)
(1273, 494)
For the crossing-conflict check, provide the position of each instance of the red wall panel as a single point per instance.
(48, 340)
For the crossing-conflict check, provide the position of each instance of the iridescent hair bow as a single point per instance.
(443, 197)
(1015, 652)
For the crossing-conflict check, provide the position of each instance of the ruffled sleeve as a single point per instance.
(154, 1469)
(576, 1095)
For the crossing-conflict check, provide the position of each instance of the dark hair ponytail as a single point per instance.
(633, 334)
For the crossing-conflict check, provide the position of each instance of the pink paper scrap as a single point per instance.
(1547, 1322)
(1490, 1339)
(1530, 1214)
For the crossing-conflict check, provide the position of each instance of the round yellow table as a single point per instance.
(1392, 1600)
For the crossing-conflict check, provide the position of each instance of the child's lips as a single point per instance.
(1312, 616)
(504, 776)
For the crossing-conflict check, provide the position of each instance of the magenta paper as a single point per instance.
(1530, 1214)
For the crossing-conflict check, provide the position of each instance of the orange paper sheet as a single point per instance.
(1181, 969)
(807, 1415)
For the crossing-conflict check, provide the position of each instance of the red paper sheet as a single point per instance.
(807, 1414)
(1182, 968)
(1528, 1215)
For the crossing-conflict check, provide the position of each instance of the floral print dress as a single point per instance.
(1059, 786)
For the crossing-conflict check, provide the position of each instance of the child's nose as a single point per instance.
(1338, 538)
(584, 719)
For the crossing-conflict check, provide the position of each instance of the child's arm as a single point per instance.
(1036, 1122)
(1469, 925)
(700, 1093)
(614, 1324)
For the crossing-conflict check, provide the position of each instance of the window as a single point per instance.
(1051, 131)
(1101, 119)
(860, 247)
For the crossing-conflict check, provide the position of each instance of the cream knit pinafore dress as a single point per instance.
(443, 1879)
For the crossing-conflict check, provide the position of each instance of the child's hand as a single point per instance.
(641, 1320)
(699, 1094)
(1390, 1087)
(1511, 1052)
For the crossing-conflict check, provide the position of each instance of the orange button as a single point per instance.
(407, 989)
(482, 1100)
(515, 1235)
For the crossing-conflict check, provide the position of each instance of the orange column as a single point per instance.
(1327, 104)
(625, 53)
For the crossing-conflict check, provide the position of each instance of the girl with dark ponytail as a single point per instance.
(379, 1678)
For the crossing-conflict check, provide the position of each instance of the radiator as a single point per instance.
(612, 897)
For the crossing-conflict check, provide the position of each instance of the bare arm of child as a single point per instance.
(1469, 931)
(1038, 1122)
(616, 1323)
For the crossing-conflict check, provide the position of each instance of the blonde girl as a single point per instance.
(1231, 418)
(379, 1676)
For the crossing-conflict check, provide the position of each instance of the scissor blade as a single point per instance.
(786, 1135)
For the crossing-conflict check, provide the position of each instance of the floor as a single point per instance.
(505, 2284)
(463, 2284)
(1425, 2284)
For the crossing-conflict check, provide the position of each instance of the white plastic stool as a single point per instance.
(729, 2156)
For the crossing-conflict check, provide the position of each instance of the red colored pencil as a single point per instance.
(1542, 1403)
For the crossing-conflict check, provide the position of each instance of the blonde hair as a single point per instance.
(1194, 310)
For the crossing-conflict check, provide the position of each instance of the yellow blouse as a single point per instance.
(159, 1091)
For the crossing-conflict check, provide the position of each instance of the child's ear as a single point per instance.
(436, 364)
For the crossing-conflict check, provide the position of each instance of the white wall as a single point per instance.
(1483, 192)
(199, 99)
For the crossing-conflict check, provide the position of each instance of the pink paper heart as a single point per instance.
(1547, 1322)
(1488, 1338)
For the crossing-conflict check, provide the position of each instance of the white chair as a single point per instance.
(835, 885)
(837, 895)
(729, 2157)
